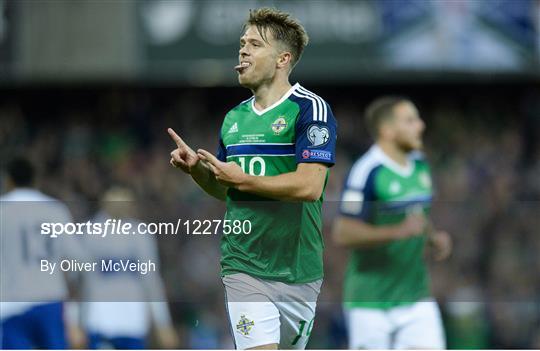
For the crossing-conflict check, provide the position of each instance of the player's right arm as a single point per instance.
(353, 227)
(187, 160)
(356, 233)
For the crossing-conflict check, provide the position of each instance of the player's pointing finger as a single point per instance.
(179, 142)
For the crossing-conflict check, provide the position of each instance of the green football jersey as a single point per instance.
(285, 242)
(381, 192)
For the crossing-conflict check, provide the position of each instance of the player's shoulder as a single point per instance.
(38, 201)
(363, 167)
(55, 205)
(301, 93)
(231, 118)
(26, 194)
(242, 106)
(310, 102)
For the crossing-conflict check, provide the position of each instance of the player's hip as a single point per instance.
(244, 287)
(263, 312)
(416, 325)
(289, 270)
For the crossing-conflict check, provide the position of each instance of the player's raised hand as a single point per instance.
(183, 156)
(227, 173)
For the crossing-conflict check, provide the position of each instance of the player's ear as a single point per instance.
(385, 130)
(284, 59)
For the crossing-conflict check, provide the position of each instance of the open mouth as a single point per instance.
(241, 68)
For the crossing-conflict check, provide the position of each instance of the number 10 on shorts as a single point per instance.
(302, 328)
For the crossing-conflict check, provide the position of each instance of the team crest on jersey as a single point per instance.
(318, 135)
(279, 125)
(244, 325)
(424, 180)
(395, 187)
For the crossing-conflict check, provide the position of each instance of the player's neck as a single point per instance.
(394, 152)
(268, 94)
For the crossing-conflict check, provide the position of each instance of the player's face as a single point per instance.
(257, 58)
(408, 127)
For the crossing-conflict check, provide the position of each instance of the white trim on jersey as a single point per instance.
(315, 105)
(260, 144)
(320, 110)
(316, 116)
(404, 171)
(260, 155)
(361, 169)
(319, 99)
(275, 104)
(372, 158)
(247, 100)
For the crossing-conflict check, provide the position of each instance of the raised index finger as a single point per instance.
(179, 142)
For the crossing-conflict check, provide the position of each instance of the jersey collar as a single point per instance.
(275, 104)
(404, 171)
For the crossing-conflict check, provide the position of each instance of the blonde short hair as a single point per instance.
(284, 28)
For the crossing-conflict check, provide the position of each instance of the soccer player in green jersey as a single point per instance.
(271, 169)
(384, 209)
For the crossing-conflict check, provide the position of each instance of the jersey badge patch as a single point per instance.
(279, 125)
(244, 325)
(425, 180)
(318, 135)
(395, 187)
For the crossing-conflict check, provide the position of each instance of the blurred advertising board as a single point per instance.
(198, 40)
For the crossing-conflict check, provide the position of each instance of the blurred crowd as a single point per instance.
(482, 143)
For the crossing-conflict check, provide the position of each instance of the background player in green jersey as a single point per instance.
(384, 209)
(276, 145)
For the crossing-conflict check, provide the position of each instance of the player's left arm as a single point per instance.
(439, 241)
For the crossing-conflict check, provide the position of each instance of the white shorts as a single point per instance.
(263, 312)
(416, 326)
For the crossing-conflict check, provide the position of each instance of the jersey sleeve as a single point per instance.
(358, 196)
(316, 133)
(221, 151)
